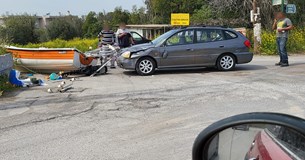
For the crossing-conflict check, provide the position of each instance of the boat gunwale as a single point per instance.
(43, 49)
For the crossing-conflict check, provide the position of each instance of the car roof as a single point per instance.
(207, 27)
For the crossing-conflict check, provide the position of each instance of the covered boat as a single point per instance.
(49, 59)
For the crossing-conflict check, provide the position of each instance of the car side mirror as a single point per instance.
(252, 136)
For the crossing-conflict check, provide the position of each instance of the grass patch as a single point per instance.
(81, 44)
(5, 85)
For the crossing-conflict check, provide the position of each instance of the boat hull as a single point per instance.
(44, 60)
(43, 65)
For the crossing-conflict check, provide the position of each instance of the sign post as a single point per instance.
(283, 6)
(180, 19)
(257, 26)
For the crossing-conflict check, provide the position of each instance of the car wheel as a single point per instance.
(226, 62)
(146, 66)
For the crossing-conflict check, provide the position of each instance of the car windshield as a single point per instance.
(163, 37)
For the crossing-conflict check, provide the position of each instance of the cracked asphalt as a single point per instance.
(124, 116)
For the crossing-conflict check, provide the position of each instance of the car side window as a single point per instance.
(290, 139)
(181, 38)
(136, 36)
(216, 35)
(202, 36)
(209, 35)
(230, 35)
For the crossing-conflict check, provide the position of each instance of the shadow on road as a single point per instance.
(201, 70)
(249, 67)
(175, 71)
(296, 64)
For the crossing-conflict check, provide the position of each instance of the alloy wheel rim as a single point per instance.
(146, 66)
(226, 62)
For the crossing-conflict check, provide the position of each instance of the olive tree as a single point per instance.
(66, 27)
(19, 29)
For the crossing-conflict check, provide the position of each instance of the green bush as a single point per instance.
(81, 44)
(296, 42)
(4, 84)
(2, 51)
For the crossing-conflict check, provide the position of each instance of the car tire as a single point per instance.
(226, 62)
(146, 66)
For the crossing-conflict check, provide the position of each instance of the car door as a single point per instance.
(138, 38)
(210, 44)
(178, 50)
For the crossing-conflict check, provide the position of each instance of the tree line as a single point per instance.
(235, 13)
(23, 29)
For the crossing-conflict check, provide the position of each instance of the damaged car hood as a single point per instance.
(140, 47)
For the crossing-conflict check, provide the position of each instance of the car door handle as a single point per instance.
(221, 46)
(189, 49)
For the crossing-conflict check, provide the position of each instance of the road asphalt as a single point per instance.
(123, 116)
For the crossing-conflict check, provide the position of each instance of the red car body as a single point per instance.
(265, 148)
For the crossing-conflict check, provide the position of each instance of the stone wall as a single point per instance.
(6, 63)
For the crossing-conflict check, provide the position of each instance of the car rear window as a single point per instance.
(230, 35)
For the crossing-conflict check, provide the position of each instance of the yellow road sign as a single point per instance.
(180, 19)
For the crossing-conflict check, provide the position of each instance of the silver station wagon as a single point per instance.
(188, 47)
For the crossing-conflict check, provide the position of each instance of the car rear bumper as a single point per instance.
(244, 57)
(124, 63)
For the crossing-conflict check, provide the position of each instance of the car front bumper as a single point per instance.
(244, 57)
(129, 64)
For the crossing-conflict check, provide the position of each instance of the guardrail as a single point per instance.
(6, 64)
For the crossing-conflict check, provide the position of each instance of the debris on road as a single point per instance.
(14, 78)
(62, 87)
(54, 77)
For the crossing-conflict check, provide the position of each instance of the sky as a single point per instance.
(76, 7)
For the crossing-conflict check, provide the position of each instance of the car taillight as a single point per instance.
(247, 43)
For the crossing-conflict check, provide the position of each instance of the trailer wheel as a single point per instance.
(103, 71)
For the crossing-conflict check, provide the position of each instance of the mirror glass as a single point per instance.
(257, 142)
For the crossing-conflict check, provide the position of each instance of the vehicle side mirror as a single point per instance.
(252, 136)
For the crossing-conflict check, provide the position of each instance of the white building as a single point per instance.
(150, 31)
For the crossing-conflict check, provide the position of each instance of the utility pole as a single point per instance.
(255, 18)
(283, 6)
